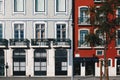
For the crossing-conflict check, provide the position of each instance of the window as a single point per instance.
(1, 31)
(61, 31)
(82, 33)
(19, 31)
(101, 37)
(2, 63)
(99, 52)
(118, 52)
(118, 38)
(19, 5)
(83, 16)
(19, 64)
(39, 5)
(61, 62)
(40, 62)
(109, 62)
(40, 31)
(60, 5)
(1, 6)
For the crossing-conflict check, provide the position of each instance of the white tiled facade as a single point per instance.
(36, 30)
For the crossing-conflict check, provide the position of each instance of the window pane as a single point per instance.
(40, 5)
(16, 68)
(22, 63)
(40, 31)
(43, 68)
(16, 63)
(19, 5)
(37, 68)
(22, 68)
(1, 4)
(43, 63)
(1, 31)
(60, 5)
(37, 63)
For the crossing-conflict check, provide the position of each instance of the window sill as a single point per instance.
(84, 47)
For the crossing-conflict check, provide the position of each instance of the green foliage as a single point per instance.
(104, 19)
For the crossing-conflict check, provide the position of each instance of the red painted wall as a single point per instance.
(111, 51)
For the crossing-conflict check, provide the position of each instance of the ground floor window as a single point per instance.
(40, 64)
(118, 67)
(61, 62)
(19, 62)
(1, 63)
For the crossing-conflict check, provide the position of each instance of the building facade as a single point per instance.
(87, 58)
(35, 38)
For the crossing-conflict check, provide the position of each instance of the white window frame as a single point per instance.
(14, 27)
(66, 29)
(110, 62)
(2, 7)
(19, 12)
(79, 38)
(45, 7)
(118, 52)
(79, 13)
(34, 28)
(97, 1)
(64, 12)
(3, 29)
(99, 54)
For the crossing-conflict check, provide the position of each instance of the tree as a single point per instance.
(104, 19)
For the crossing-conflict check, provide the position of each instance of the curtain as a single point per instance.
(40, 5)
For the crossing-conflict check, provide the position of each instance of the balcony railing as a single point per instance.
(40, 43)
(63, 43)
(3, 43)
(83, 44)
(84, 20)
(19, 43)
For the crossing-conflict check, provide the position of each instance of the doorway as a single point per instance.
(89, 68)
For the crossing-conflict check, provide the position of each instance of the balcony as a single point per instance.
(19, 43)
(62, 43)
(3, 43)
(83, 20)
(40, 43)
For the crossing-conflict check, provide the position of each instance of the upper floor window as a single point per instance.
(101, 36)
(19, 31)
(1, 6)
(82, 35)
(1, 31)
(19, 5)
(61, 31)
(40, 5)
(60, 5)
(83, 16)
(40, 30)
(118, 38)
